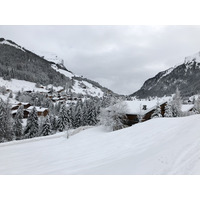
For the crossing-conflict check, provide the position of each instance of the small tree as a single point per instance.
(32, 126)
(53, 121)
(64, 121)
(176, 104)
(168, 110)
(157, 112)
(114, 117)
(197, 105)
(10, 95)
(17, 126)
(6, 133)
(46, 127)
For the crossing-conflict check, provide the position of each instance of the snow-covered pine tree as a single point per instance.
(6, 133)
(10, 95)
(71, 111)
(53, 122)
(157, 112)
(176, 104)
(78, 116)
(8, 122)
(46, 127)
(57, 108)
(85, 113)
(64, 121)
(2, 121)
(168, 110)
(32, 126)
(17, 126)
(91, 115)
(51, 108)
(197, 105)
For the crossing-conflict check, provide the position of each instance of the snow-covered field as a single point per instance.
(16, 85)
(158, 146)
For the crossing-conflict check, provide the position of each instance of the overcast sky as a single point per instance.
(118, 57)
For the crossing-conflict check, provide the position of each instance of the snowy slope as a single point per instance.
(77, 87)
(16, 85)
(158, 146)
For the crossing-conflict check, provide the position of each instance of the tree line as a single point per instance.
(61, 117)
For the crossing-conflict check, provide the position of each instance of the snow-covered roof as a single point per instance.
(136, 107)
(39, 109)
(186, 108)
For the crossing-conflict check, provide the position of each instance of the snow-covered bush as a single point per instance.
(168, 110)
(114, 117)
(157, 112)
(197, 105)
(176, 104)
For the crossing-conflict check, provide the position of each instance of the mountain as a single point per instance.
(184, 76)
(19, 63)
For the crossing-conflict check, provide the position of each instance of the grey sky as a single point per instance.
(118, 57)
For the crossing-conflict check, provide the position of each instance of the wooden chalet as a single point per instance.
(41, 112)
(25, 115)
(15, 107)
(141, 111)
(148, 115)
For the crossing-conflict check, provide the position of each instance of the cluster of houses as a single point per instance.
(41, 112)
(59, 96)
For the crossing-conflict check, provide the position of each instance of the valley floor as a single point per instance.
(158, 146)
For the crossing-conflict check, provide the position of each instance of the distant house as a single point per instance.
(149, 113)
(16, 106)
(28, 91)
(142, 110)
(25, 115)
(40, 111)
(59, 91)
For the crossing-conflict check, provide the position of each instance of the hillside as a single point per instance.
(19, 63)
(184, 76)
(146, 148)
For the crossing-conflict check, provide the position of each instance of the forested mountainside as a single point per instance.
(19, 63)
(184, 76)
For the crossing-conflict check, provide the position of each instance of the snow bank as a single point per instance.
(158, 146)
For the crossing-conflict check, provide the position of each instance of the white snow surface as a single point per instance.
(64, 72)
(158, 146)
(16, 85)
(90, 89)
(186, 108)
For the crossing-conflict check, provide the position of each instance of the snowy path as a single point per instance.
(159, 146)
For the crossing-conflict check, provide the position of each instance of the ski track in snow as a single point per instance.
(158, 146)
